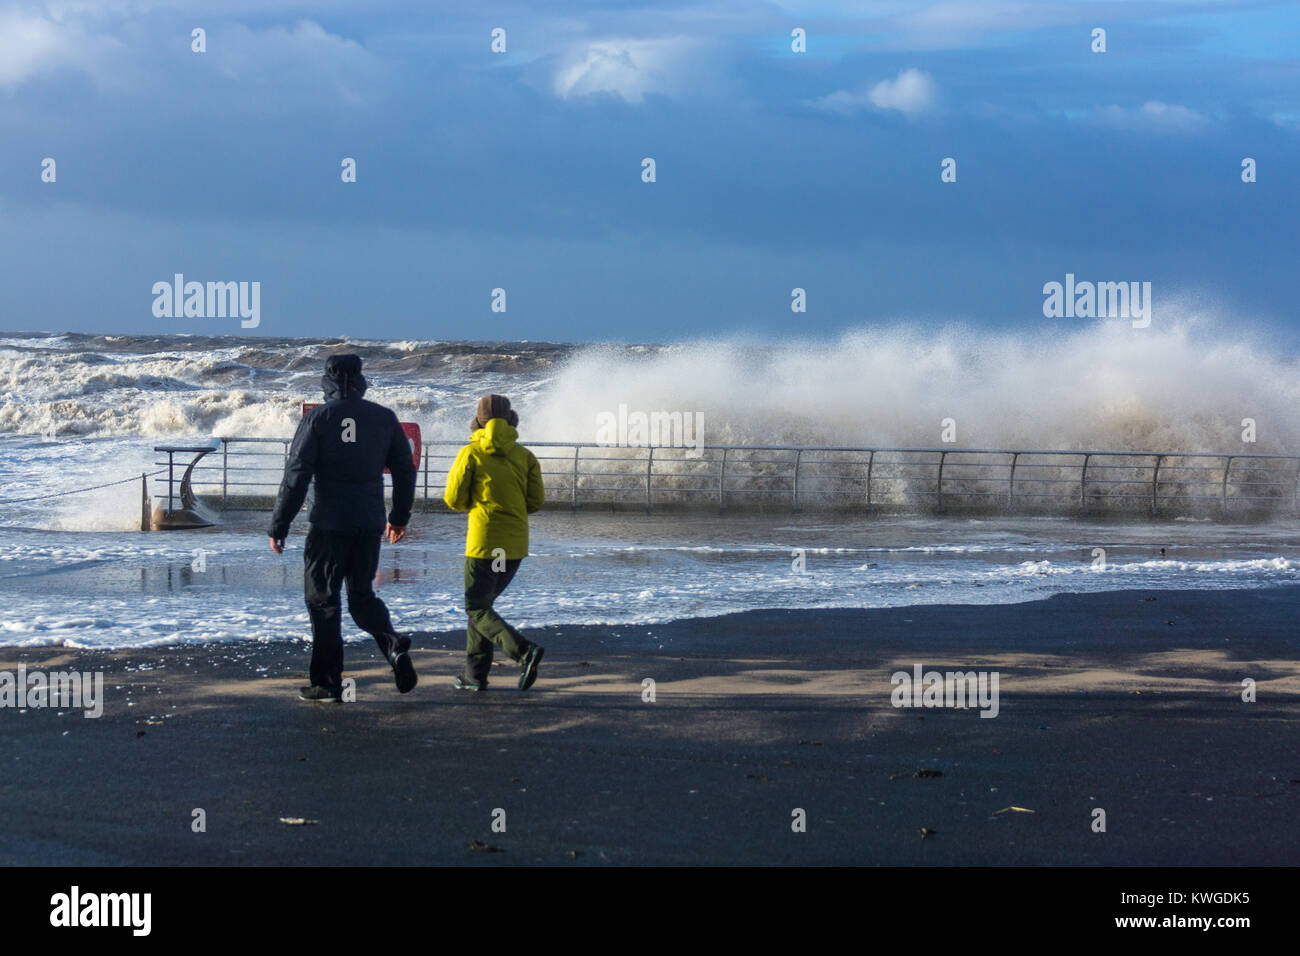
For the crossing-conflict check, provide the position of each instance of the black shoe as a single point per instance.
(404, 672)
(528, 675)
(461, 683)
(331, 695)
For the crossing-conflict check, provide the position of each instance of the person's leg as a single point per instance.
(368, 611)
(505, 577)
(371, 614)
(322, 576)
(530, 654)
(480, 586)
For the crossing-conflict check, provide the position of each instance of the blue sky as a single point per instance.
(522, 170)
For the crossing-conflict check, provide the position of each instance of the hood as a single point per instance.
(496, 437)
(343, 378)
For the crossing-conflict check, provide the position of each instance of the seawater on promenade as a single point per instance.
(115, 589)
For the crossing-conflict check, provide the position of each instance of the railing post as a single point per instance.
(576, 450)
(1083, 484)
(146, 522)
(170, 482)
(1155, 486)
(871, 461)
(939, 490)
(225, 468)
(1011, 491)
(797, 455)
(722, 482)
(1227, 465)
(649, 471)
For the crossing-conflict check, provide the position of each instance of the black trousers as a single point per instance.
(334, 560)
(486, 628)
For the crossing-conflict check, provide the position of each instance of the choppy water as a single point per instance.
(1175, 388)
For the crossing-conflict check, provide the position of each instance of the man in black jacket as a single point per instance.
(345, 445)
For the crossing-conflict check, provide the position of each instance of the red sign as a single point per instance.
(410, 429)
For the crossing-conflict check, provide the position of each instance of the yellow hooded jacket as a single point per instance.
(499, 482)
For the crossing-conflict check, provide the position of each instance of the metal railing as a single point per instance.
(245, 472)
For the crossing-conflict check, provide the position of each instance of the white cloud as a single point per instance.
(962, 24)
(30, 45)
(911, 93)
(1153, 115)
(982, 16)
(307, 58)
(304, 57)
(627, 68)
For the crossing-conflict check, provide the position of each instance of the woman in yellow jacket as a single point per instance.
(499, 483)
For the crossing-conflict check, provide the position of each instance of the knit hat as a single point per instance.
(343, 377)
(490, 407)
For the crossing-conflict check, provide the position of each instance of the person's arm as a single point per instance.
(298, 471)
(535, 493)
(402, 469)
(460, 482)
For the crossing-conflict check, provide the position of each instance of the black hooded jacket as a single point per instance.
(345, 445)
